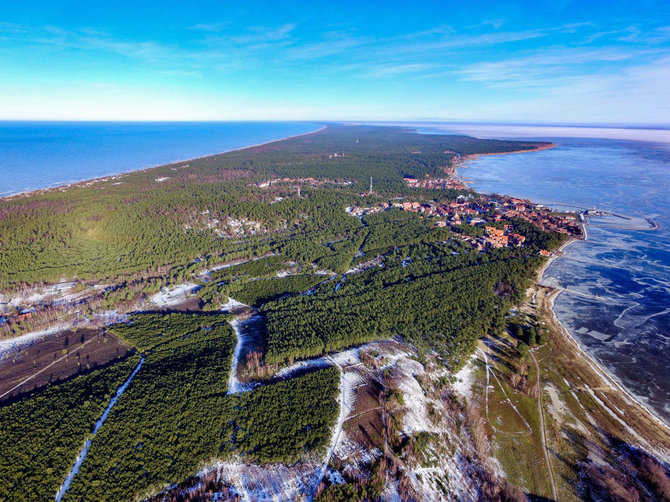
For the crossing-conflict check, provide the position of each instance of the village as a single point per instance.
(493, 213)
(436, 183)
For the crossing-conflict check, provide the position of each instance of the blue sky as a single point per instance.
(549, 62)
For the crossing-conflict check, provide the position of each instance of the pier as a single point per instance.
(585, 217)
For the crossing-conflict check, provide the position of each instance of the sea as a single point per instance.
(36, 155)
(616, 298)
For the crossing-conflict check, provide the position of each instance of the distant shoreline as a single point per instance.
(539, 148)
(82, 182)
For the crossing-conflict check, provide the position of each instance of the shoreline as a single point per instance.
(599, 369)
(610, 379)
(77, 183)
(601, 372)
(474, 156)
(606, 375)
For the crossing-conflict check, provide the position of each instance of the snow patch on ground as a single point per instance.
(275, 482)
(347, 449)
(36, 295)
(416, 403)
(232, 305)
(556, 408)
(14, 343)
(72, 298)
(447, 467)
(465, 378)
(106, 317)
(169, 297)
(234, 384)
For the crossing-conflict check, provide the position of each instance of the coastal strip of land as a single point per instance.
(91, 181)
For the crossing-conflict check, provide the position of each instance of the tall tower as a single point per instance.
(370, 192)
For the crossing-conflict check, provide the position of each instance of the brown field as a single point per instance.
(57, 358)
(364, 425)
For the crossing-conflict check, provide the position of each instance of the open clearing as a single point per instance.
(57, 358)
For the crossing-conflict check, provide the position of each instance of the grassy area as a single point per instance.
(592, 454)
(513, 417)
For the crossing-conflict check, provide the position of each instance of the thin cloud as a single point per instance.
(324, 48)
(391, 70)
(10, 28)
(447, 38)
(539, 68)
(265, 34)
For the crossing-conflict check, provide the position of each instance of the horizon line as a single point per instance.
(368, 121)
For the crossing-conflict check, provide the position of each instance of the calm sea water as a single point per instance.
(627, 325)
(43, 154)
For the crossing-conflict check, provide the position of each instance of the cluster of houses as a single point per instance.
(485, 211)
(436, 183)
(511, 207)
(313, 182)
(502, 237)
